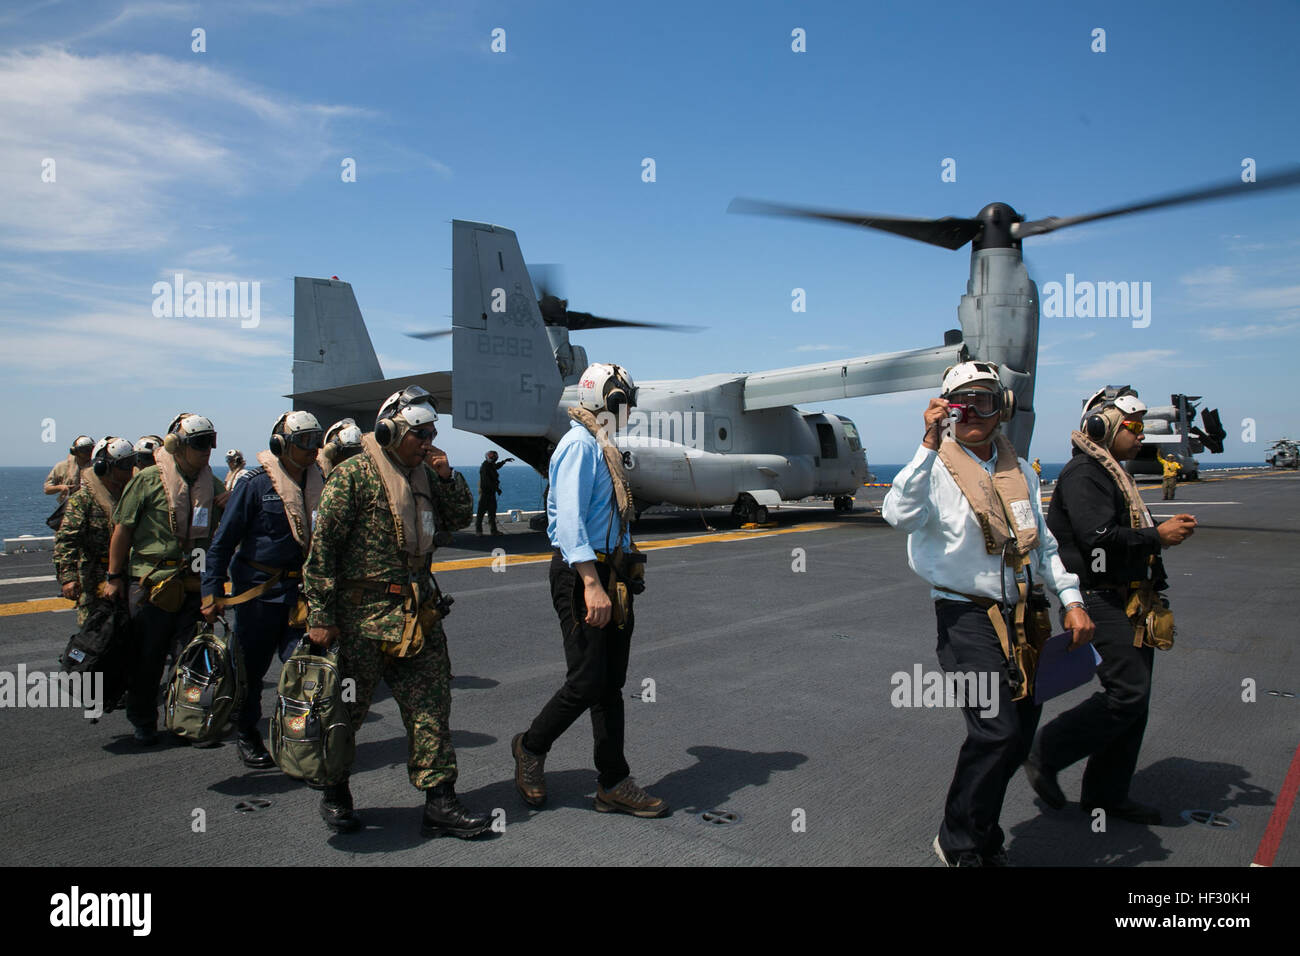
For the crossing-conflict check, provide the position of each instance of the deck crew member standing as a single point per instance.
(588, 508)
(234, 468)
(66, 477)
(145, 447)
(81, 543)
(1169, 475)
(972, 512)
(1109, 540)
(166, 512)
(266, 528)
(489, 486)
(368, 584)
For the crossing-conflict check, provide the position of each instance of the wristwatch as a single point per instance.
(116, 577)
(1078, 604)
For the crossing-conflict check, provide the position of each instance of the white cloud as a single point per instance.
(142, 146)
(1117, 364)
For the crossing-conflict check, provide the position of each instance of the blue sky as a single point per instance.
(226, 165)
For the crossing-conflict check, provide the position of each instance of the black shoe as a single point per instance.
(969, 858)
(1044, 784)
(1129, 810)
(252, 751)
(444, 814)
(336, 809)
(146, 736)
(997, 858)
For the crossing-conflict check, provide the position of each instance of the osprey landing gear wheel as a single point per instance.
(747, 510)
(843, 504)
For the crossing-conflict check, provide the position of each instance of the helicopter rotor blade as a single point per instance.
(431, 334)
(950, 232)
(1283, 180)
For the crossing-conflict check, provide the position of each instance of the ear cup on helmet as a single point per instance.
(615, 399)
(171, 443)
(385, 432)
(1008, 405)
(100, 467)
(1095, 427)
(276, 444)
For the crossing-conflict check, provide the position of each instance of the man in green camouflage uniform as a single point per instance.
(357, 581)
(81, 543)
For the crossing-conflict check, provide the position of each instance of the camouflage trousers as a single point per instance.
(421, 685)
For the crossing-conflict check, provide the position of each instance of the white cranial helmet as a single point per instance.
(604, 386)
(344, 433)
(970, 373)
(113, 449)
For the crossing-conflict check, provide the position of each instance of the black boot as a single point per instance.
(252, 751)
(444, 814)
(336, 808)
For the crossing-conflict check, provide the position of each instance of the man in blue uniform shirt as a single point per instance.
(588, 510)
(974, 519)
(266, 529)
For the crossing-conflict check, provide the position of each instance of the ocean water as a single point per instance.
(24, 507)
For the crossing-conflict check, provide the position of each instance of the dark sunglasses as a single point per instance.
(125, 464)
(202, 442)
(427, 433)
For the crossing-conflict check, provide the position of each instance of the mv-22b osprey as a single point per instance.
(726, 438)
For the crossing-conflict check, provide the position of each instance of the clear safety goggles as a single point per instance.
(980, 402)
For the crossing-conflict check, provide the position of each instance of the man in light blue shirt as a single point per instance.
(588, 510)
(960, 526)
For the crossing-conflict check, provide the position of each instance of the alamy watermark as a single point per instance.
(923, 688)
(55, 689)
(656, 429)
(208, 300)
(1098, 300)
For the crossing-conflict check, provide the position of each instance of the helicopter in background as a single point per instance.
(515, 372)
(1284, 453)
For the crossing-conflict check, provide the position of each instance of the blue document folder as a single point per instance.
(1061, 669)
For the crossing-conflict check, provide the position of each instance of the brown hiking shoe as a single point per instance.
(627, 797)
(530, 780)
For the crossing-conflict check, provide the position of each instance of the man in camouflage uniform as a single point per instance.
(368, 564)
(81, 543)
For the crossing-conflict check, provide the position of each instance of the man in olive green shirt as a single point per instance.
(166, 514)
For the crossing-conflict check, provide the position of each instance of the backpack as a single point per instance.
(103, 646)
(311, 730)
(207, 686)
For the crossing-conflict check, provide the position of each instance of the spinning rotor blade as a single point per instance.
(950, 232)
(1283, 180)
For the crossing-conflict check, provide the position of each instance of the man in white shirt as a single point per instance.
(972, 513)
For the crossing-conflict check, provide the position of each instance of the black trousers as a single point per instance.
(597, 668)
(154, 633)
(487, 505)
(995, 747)
(1108, 726)
(262, 630)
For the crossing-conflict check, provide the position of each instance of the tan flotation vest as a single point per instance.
(614, 460)
(300, 501)
(183, 498)
(99, 491)
(1001, 503)
(409, 498)
(1138, 515)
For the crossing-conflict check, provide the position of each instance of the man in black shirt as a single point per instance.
(1106, 537)
(489, 486)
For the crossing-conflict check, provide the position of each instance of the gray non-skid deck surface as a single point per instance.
(773, 696)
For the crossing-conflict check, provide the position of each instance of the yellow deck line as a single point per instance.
(35, 607)
(656, 545)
